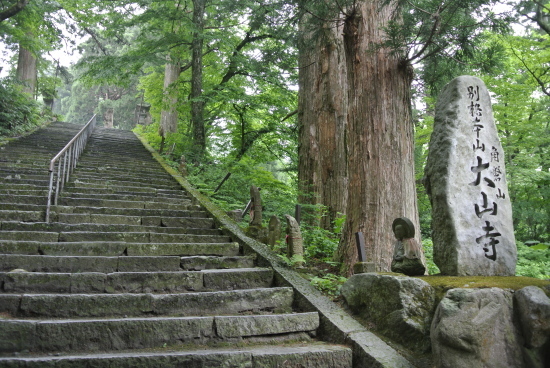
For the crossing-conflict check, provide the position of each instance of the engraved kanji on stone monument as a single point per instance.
(465, 179)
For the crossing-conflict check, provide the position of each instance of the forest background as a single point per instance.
(222, 81)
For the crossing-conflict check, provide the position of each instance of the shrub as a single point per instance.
(18, 112)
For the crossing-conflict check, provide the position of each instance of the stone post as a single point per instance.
(256, 207)
(274, 231)
(295, 244)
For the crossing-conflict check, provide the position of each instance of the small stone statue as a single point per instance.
(407, 253)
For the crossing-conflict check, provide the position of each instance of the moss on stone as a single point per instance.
(442, 284)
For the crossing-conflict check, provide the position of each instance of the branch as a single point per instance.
(14, 9)
(537, 79)
(94, 36)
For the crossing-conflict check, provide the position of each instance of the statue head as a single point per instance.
(403, 228)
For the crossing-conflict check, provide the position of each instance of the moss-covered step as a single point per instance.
(318, 355)
(248, 301)
(135, 333)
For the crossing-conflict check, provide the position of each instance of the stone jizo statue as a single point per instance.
(407, 253)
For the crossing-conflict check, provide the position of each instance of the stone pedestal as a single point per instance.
(364, 267)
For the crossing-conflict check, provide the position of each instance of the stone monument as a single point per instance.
(465, 179)
(295, 244)
(274, 233)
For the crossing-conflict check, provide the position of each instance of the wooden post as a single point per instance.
(298, 213)
(360, 242)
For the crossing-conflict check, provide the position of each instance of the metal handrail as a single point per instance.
(66, 161)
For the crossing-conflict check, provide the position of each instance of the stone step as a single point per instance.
(109, 264)
(318, 355)
(190, 211)
(169, 222)
(167, 184)
(5, 193)
(135, 282)
(22, 216)
(193, 224)
(151, 203)
(91, 248)
(128, 237)
(136, 333)
(246, 301)
(138, 172)
(179, 199)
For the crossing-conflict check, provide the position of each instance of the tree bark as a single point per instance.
(380, 138)
(169, 114)
(322, 116)
(197, 103)
(26, 70)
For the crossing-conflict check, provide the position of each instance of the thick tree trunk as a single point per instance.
(169, 114)
(322, 115)
(197, 103)
(26, 70)
(380, 138)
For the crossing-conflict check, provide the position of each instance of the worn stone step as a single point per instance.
(247, 301)
(137, 173)
(136, 202)
(198, 263)
(314, 355)
(190, 211)
(136, 333)
(194, 224)
(137, 237)
(135, 282)
(168, 184)
(74, 264)
(27, 199)
(23, 216)
(108, 264)
(129, 237)
(36, 191)
(91, 248)
(168, 222)
(129, 196)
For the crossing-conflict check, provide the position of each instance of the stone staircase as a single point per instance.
(131, 273)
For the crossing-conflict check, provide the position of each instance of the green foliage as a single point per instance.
(329, 284)
(428, 247)
(533, 261)
(18, 112)
(320, 244)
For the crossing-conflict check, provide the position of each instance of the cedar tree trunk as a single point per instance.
(322, 110)
(380, 138)
(26, 70)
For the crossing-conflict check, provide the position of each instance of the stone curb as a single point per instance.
(335, 324)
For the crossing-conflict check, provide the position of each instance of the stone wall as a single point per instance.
(490, 327)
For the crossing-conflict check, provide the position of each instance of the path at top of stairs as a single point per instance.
(131, 273)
